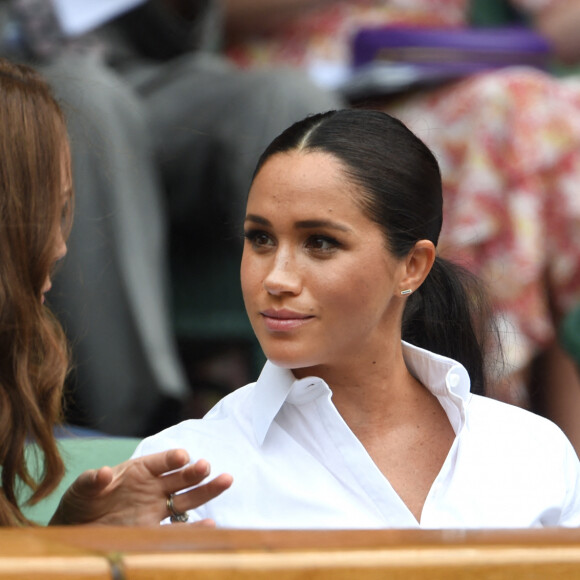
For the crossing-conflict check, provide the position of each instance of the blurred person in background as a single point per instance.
(164, 133)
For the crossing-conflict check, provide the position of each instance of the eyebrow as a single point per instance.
(304, 224)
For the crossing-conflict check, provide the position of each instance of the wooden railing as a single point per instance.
(179, 551)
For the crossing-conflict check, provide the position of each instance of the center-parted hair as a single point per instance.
(399, 182)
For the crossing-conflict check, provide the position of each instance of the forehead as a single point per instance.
(297, 178)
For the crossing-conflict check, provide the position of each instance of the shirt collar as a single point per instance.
(447, 379)
(440, 374)
(270, 392)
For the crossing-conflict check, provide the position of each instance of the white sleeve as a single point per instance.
(571, 470)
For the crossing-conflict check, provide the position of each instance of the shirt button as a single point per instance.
(453, 380)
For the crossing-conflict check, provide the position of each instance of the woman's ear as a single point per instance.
(418, 264)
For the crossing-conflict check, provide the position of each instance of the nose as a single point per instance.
(61, 248)
(283, 276)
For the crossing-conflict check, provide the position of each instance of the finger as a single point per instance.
(200, 470)
(206, 523)
(202, 493)
(160, 463)
(189, 476)
(103, 477)
(88, 482)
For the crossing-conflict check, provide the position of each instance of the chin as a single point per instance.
(289, 361)
(289, 353)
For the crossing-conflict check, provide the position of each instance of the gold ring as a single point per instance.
(176, 516)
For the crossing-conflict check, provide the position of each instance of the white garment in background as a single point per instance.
(78, 17)
(296, 464)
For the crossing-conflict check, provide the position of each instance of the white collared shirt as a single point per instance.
(297, 465)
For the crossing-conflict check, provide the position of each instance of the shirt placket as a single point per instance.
(356, 469)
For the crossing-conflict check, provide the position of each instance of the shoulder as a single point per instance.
(229, 420)
(505, 417)
(482, 408)
(500, 425)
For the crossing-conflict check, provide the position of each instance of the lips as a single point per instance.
(284, 320)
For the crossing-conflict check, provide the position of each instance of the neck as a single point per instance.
(370, 389)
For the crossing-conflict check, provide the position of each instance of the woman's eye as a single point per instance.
(259, 239)
(322, 243)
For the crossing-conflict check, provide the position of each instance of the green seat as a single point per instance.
(79, 454)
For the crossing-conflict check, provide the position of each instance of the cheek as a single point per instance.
(357, 292)
(344, 290)
(249, 275)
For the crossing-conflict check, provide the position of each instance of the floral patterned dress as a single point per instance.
(508, 143)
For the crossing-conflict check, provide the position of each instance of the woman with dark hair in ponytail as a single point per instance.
(369, 412)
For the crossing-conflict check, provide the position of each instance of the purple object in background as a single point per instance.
(476, 47)
(395, 58)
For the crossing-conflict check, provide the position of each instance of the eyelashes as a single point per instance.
(320, 244)
(258, 238)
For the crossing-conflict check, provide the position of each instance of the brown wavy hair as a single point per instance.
(34, 209)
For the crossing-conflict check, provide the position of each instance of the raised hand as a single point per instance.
(136, 492)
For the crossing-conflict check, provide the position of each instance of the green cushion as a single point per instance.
(79, 454)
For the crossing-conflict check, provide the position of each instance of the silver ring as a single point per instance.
(176, 516)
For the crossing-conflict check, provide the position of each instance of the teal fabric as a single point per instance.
(79, 454)
(494, 13)
(569, 334)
